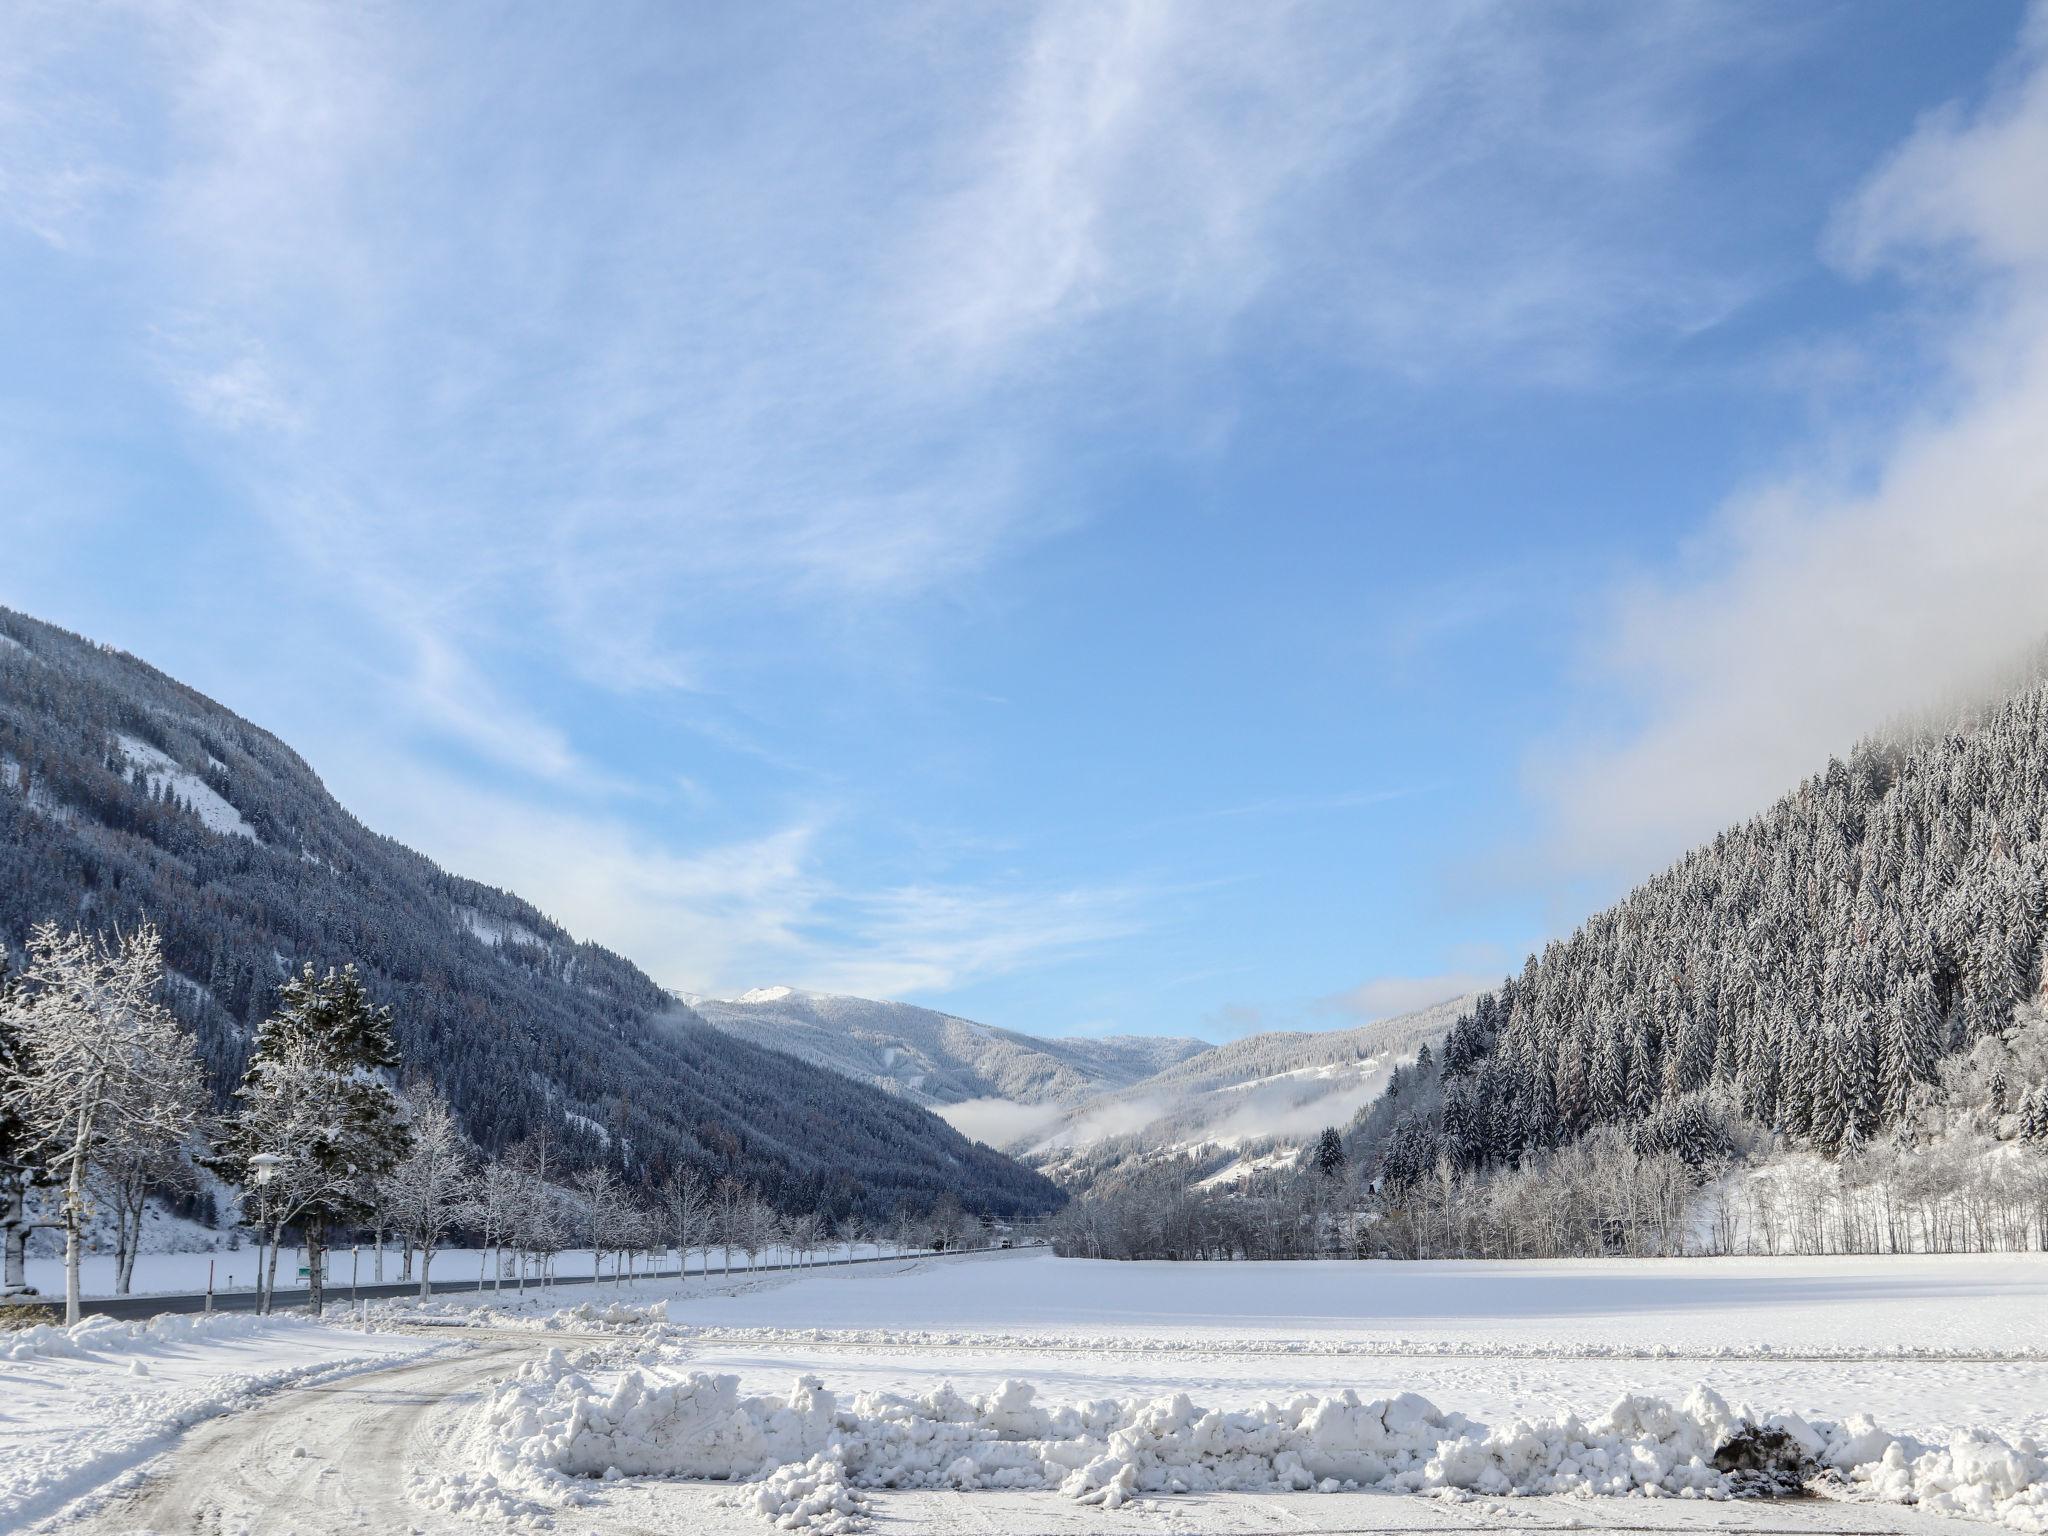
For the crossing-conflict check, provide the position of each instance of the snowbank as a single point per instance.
(98, 1337)
(810, 1455)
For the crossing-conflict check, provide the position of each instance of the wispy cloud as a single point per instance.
(757, 910)
(578, 353)
(636, 387)
(1877, 573)
(1386, 996)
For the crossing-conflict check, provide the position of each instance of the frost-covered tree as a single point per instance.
(730, 1199)
(20, 1168)
(686, 1215)
(430, 1185)
(103, 1067)
(495, 1209)
(132, 1169)
(316, 1102)
(542, 1219)
(604, 1211)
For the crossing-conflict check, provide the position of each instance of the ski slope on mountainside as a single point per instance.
(936, 1058)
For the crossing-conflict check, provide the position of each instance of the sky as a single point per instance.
(1156, 518)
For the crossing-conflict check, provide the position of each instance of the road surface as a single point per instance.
(286, 1300)
(351, 1456)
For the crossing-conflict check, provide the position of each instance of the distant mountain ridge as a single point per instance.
(1238, 1107)
(1078, 1107)
(126, 795)
(936, 1058)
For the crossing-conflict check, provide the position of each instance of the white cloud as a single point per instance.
(737, 914)
(1387, 996)
(781, 350)
(1831, 599)
(998, 1122)
(1188, 162)
(644, 382)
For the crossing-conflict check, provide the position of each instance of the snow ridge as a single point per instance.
(550, 1425)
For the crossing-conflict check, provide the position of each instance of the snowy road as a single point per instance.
(352, 1455)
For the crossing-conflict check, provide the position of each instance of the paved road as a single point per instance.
(369, 1453)
(284, 1300)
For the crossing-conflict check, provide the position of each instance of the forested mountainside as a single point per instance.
(1243, 1107)
(936, 1058)
(1841, 967)
(125, 796)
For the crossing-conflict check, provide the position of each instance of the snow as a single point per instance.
(1247, 1167)
(1918, 1379)
(1933, 1304)
(497, 932)
(808, 1396)
(552, 1422)
(162, 771)
(84, 1406)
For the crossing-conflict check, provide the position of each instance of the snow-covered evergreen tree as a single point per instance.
(317, 1093)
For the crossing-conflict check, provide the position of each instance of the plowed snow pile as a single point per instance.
(808, 1455)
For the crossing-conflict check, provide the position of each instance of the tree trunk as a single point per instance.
(74, 1202)
(14, 1224)
(128, 1213)
(268, 1282)
(316, 1267)
(426, 1263)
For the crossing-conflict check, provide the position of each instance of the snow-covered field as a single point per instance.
(1157, 1390)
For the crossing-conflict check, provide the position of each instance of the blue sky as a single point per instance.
(1169, 518)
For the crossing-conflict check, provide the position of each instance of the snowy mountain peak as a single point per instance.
(765, 995)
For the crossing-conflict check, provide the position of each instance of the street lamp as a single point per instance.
(263, 1168)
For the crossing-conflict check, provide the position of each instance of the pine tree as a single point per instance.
(1330, 1153)
(317, 1092)
(1608, 1080)
(1864, 1099)
(1829, 1076)
(2035, 1127)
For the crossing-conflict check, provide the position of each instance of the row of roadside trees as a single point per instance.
(103, 1105)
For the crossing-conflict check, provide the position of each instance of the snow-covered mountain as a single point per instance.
(948, 1063)
(1236, 1108)
(1077, 1106)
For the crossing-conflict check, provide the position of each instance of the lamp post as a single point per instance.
(263, 1168)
